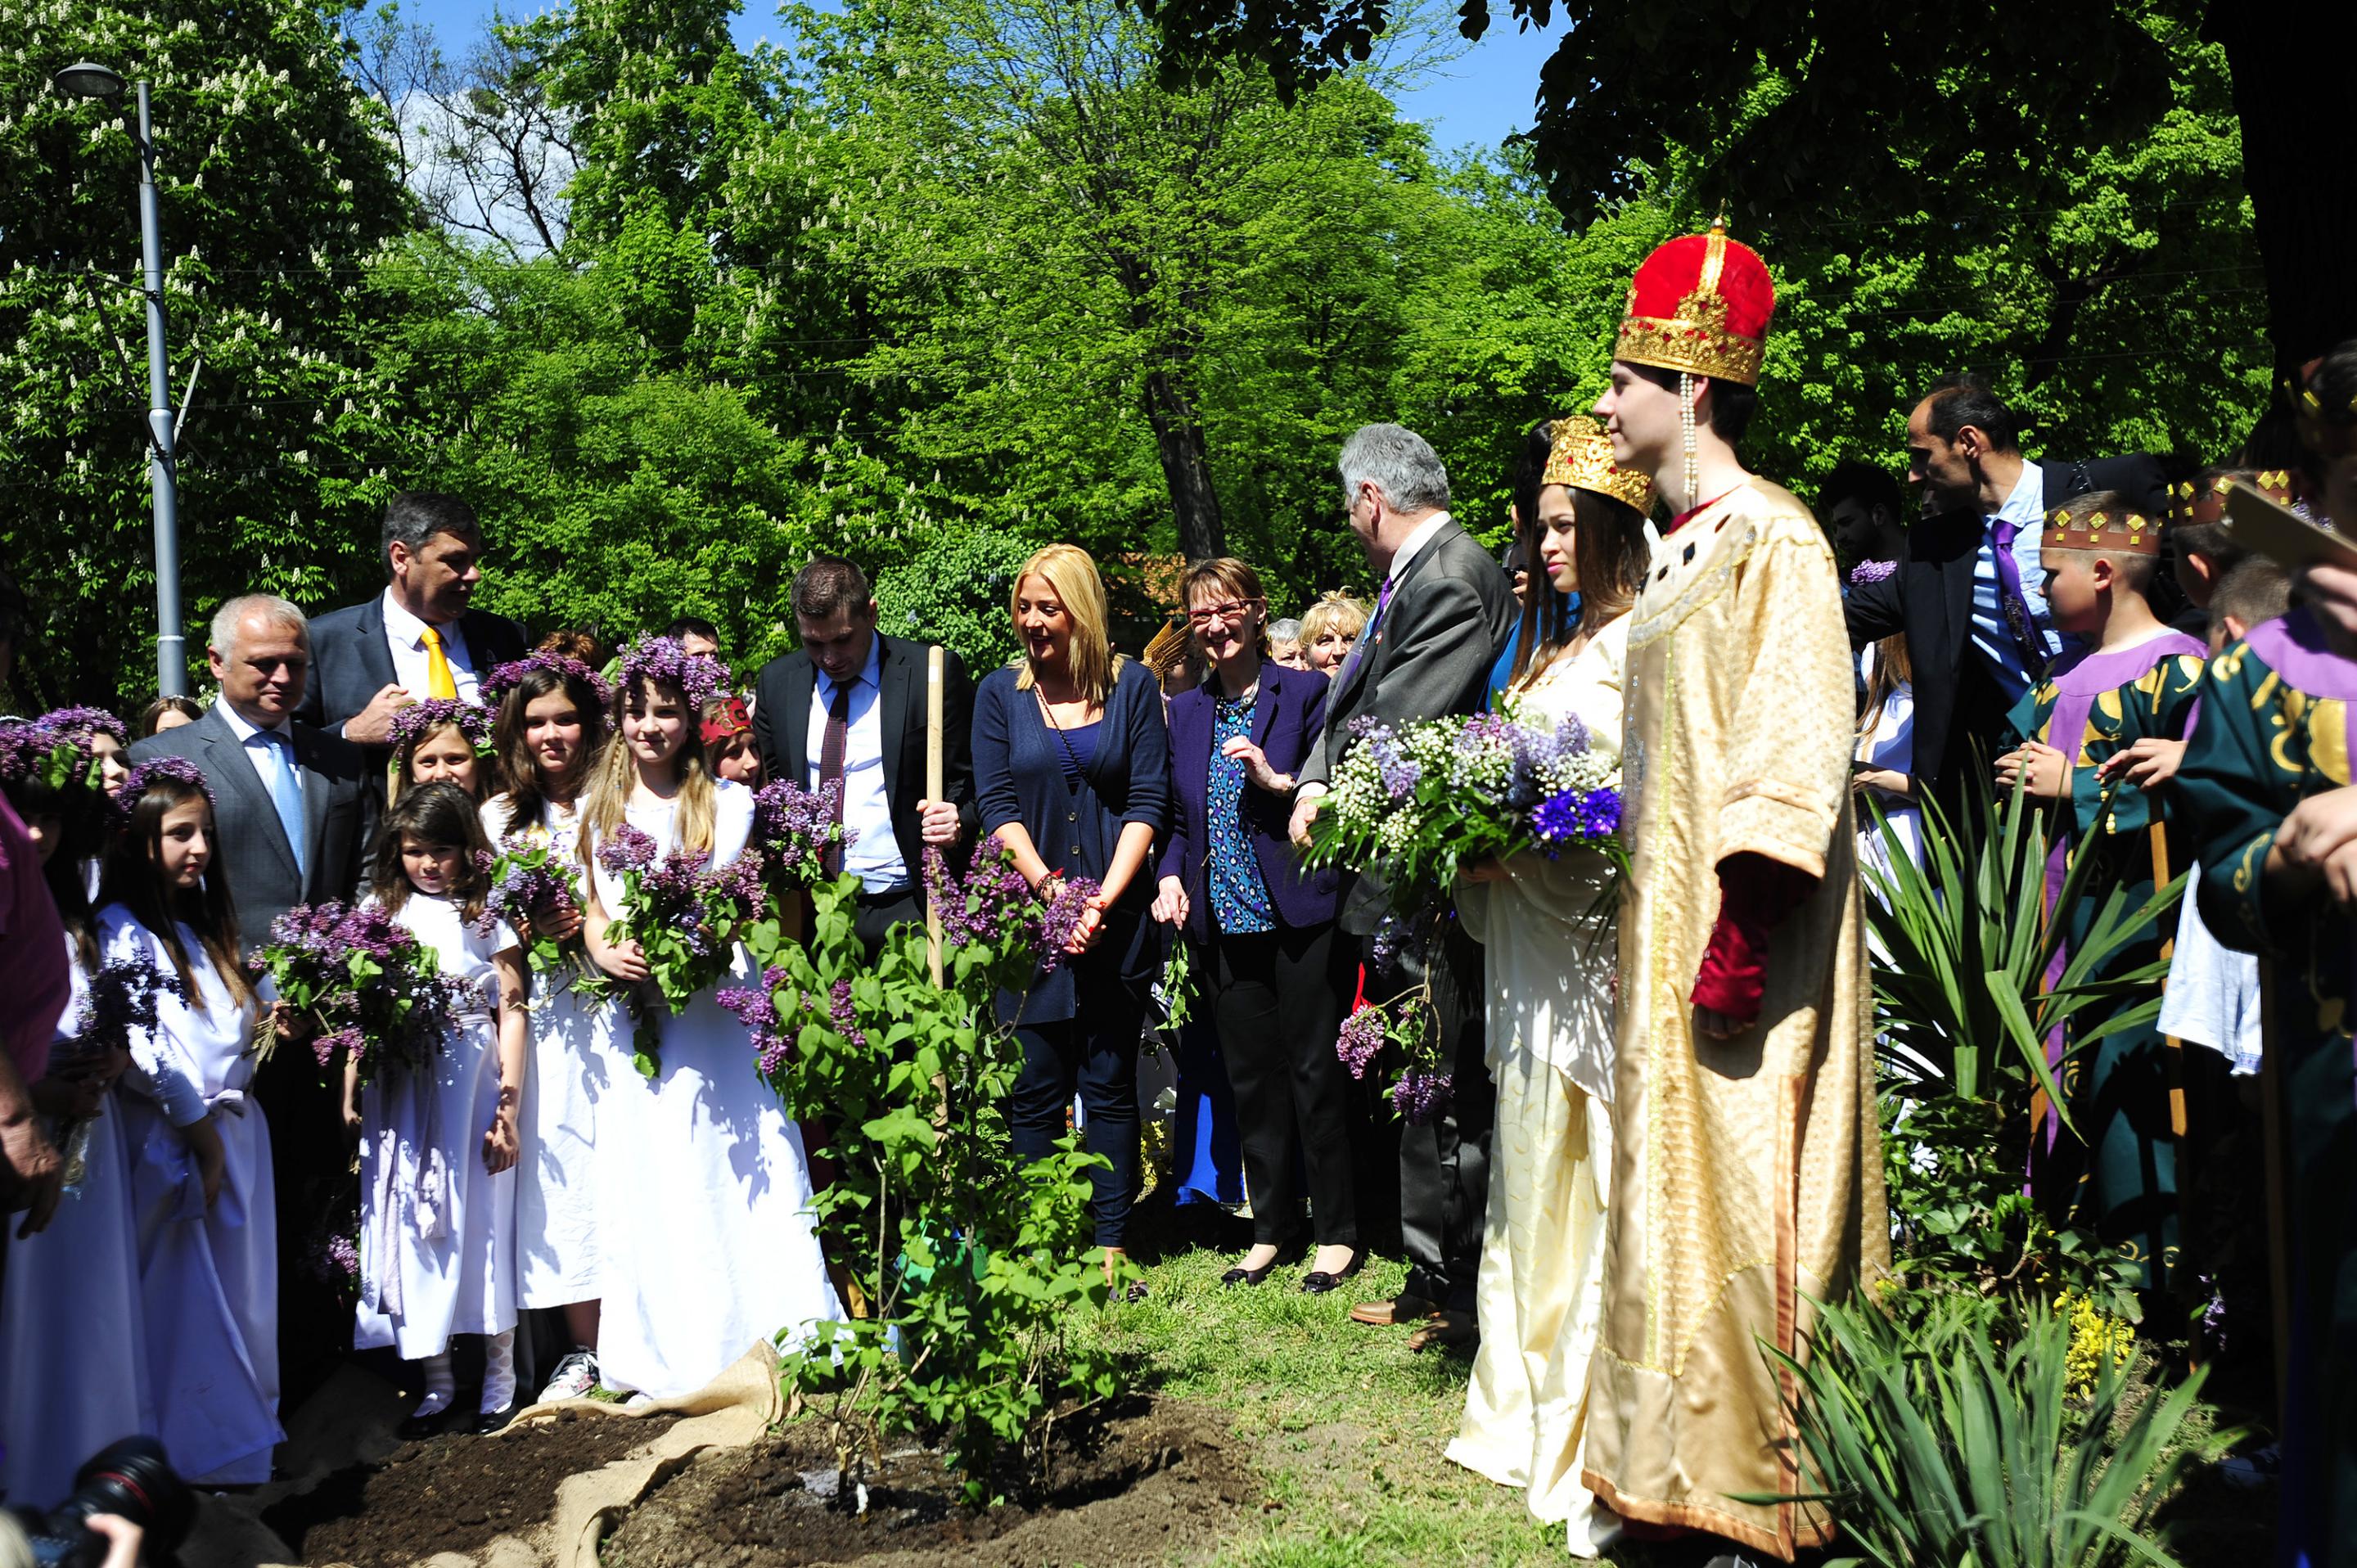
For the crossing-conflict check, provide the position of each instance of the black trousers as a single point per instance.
(1278, 999)
(1094, 1055)
(1444, 1169)
(876, 914)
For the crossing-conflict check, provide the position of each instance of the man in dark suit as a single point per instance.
(1968, 592)
(1440, 618)
(419, 639)
(848, 706)
(292, 805)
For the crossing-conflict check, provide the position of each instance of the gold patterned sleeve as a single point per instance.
(1792, 697)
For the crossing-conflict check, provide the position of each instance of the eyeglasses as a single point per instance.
(1233, 609)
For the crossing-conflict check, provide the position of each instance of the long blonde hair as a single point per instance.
(607, 797)
(1072, 572)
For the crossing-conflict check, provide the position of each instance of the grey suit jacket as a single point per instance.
(1431, 653)
(339, 809)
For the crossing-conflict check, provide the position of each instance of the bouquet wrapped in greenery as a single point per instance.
(1412, 810)
(535, 877)
(685, 918)
(367, 985)
(794, 831)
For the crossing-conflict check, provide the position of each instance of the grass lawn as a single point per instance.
(1346, 1424)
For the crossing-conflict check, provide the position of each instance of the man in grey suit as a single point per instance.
(291, 806)
(1440, 618)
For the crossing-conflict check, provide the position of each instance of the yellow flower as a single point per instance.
(2095, 1336)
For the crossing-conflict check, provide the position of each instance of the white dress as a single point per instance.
(1891, 745)
(573, 1066)
(1551, 955)
(208, 1277)
(709, 1247)
(71, 1334)
(437, 1231)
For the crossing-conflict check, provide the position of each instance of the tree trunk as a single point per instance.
(1178, 436)
(2299, 141)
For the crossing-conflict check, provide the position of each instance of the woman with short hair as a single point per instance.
(1330, 628)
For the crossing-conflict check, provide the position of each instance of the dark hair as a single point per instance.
(1870, 484)
(133, 876)
(77, 809)
(187, 707)
(1732, 404)
(569, 644)
(413, 517)
(2254, 591)
(828, 584)
(692, 626)
(517, 768)
(1966, 398)
(2211, 539)
(436, 813)
(1544, 614)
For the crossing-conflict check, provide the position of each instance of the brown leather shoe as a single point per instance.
(1446, 1328)
(1401, 1309)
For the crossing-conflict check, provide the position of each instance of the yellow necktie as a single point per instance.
(439, 682)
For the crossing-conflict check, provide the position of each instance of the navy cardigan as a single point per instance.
(1018, 776)
(1286, 719)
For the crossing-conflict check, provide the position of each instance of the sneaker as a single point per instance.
(574, 1377)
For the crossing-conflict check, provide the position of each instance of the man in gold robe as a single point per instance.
(1748, 1176)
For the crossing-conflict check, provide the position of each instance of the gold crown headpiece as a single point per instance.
(2110, 528)
(2185, 496)
(1581, 456)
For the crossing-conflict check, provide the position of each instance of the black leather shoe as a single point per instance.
(1317, 1282)
(492, 1421)
(418, 1428)
(1240, 1275)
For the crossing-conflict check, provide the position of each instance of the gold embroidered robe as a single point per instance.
(1748, 1172)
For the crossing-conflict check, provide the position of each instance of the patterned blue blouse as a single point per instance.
(1239, 897)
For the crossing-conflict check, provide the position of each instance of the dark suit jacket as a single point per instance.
(782, 713)
(2138, 477)
(339, 801)
(1018, 776)
(350, 660)
(1286, 724)
(1431, 655)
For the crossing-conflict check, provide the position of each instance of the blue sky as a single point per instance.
(1477, 98)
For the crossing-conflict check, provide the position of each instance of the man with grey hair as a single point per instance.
(1439, 620)
(421, 637)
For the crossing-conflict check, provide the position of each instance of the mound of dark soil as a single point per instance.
(452, 1493)
(1128, 1486)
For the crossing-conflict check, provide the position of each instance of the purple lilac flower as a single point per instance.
(26, 749)
(155, 769)
(1383, 951)
(418, 720)
(372, 930)
(81, 724)
(628, 850)
(845, 1016)
(738, 884)
(1400, 776)
(327, 1046)
(1867, 572)
(660, 659)
(334, 1261)
(1361, 1040)
(795, 827)
(757, 1009)
(1060, 918)
(507, 677)
(1421, 1094)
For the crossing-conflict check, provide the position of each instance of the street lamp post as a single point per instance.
(86, 79)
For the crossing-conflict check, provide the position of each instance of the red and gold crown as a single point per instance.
(2110, 527)
(1700, 303)
(1581, 456)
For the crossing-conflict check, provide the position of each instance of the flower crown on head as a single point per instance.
(418, 720)
(699, 676)
(84, 723)
(35, 748)
(507, 677)
(155, 769)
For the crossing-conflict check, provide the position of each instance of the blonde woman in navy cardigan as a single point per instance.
(1072, 771)
(1278, 978)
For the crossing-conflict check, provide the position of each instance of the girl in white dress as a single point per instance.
(709, 1245)
(199, 1151)
(72, 1336)
(441, 740)
(1551, 957)
(551, 721)
(438, 1141)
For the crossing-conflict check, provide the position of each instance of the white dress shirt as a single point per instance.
(1413, 542)
(257, 750)
(405, 634)
(2025, 508)
(875, 854)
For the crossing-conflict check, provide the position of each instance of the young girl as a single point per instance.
(439, 1143)
(729, 749)
(70, 1333)
(200, 1150)
(552, 719)
(714, 1251)
(441, 740)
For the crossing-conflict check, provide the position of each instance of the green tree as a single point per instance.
(278, 190)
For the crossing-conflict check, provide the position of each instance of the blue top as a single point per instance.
(1019, 777)
(1239, 896)
(2025, 508)
(1076, 748)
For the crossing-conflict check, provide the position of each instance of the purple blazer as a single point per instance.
(1286, 720)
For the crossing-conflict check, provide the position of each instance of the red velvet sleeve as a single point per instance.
(1755, 894)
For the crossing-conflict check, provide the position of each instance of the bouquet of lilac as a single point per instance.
(685, 919)
(120, 1002)
(369, 989)
(535, 877)
(794, 830)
